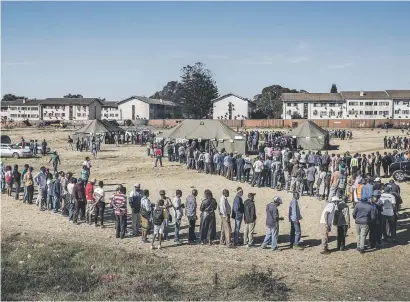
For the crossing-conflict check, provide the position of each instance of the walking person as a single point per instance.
(119, 202)
(237, 214)
(326, 221)
(249, 216)
(55, 159)
(294, 219)
(272, 224)
(135, 202)
(190, 212)
(342, 221)
(225, 213)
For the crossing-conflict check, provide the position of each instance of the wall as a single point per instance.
(110, 113)
(221, 107)
(358, 111)
(22, 112)
(401, 109)
(141, 110)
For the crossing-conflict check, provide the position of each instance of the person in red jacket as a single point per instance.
(89, 194)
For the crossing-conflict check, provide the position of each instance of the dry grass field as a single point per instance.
(44, 257)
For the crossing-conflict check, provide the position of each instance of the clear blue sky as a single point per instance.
(118, 49)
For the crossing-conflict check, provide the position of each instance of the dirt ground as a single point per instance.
(379, 275)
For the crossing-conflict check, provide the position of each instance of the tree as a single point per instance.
(333, 89)
(11, 97)
(73, 96)
(197, 91)
(296, 116)
(170, 92)
(268, 102)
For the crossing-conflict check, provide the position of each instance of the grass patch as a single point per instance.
(36, 270)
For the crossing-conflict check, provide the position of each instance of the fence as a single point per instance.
(276, 123)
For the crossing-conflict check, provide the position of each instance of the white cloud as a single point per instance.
(298, 59)
(340, 66)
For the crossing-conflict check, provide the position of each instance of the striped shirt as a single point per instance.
(119, 202)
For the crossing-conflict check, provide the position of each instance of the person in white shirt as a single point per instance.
(207, 161)
(70, 199)
(99, 197)
(388, 202)
(41, 180)
(225, 212)
(177, 205)
(326, 221)
(258, 168)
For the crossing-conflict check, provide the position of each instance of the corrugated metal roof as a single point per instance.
(69, 101)
(20, 102)
(110, 104)
(148, 101)
(315, 97)
(367, 95)
(399, 94)
(231, 94)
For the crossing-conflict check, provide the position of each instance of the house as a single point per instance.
(109, 110)
(20, 109)
(70, 109)
(232, 106)
(141, 107)
(401, 103)
(313, 105)
(368, 104)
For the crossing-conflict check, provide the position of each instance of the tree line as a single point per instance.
(196, 89)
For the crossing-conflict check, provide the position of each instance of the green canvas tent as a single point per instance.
(216, 134)
(99, 127)
(310, 136)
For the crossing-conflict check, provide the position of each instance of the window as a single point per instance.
(368, 103)
(79, 108)
(353, 103)
(78, 114)
(315, 105)
(332, 105)
(63, 114)
(361, 103)
(396, 111)
(57, 114)
(369, 112)
(405, 111)
(384, 104)
(323, 113)
(360, 112)
(13, 115)
(84, 114)
(406, 103)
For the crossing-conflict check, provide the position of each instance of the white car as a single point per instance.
(39, 148)
(14, 151)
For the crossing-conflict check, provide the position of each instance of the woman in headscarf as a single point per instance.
(208, 222)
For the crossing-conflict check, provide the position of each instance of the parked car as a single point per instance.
(400, 171)
(27, 146)
(14, 151)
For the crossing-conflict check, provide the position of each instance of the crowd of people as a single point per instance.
(399, 143)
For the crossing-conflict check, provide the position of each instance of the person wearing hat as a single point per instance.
(375, 227)
(326, 221)
(377, 184)
(134, 201)
(272, 224)
(363, 215)
(294, 218)
(89, 193)
(249, 216)
(342, 221)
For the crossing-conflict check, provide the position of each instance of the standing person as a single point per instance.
(208, 223)
(2, 178)
(237, 214)
(178, 206)
(99, 197)
(249, 216)
(158, 217)
(70, 201)
(258, 168)
(55, 158)
(321, 184)
(240, 163)
(89, 193)
(272, 224)
(8, 177)
(29, 185)
(190, 212)
(41, 181)
(85, 174)
(311, 172)
(294, 219)
(326, 221)
(70, 143)
(64, 192)
(16, 181)
(363, 215)
(135, 202)
(146, 210)
(375, 227)
(389, 209)
(43, 147)
(225, 213)
(119, 202)
(158, 155)
(79, 200)
(334, 183)
(342, 221)
(167, 205)
(56, 193)
(23, 173)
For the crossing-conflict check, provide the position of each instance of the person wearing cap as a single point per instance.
(326, 221)
(377, 184)
(272, 224)
(342, 221)
(89, 193)
(249, 217)
(134, 201)
(294, 218)
(363, 215)
(375, 227)
(389, 210)
(237, 214)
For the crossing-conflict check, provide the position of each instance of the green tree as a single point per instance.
(197, 91)
(333, 89)
(11, 97)
(268, 102)
(170, 92)
(73, 96)
(296, 116)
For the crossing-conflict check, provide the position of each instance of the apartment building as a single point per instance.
(20, 109)
(140, 107)
(401, 103)
(368, 104)
(313, 105)
(110, 111)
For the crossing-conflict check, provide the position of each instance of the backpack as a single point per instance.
(158, 216)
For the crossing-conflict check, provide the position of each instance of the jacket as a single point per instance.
(249, 211)
(272, 215)
(363, 213)
(56, 189)
(238, 207)
(79, 192)
(294, 211)
(135, 201)
(342, 215)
